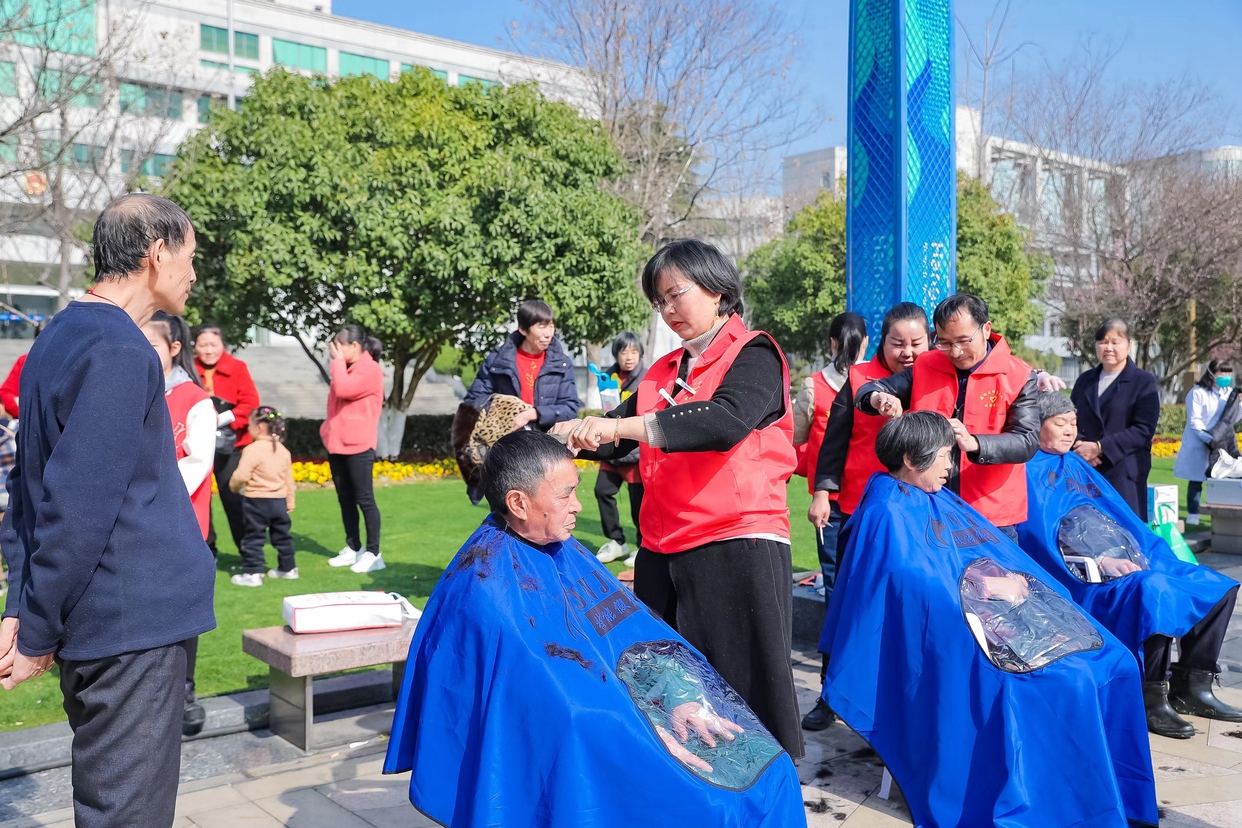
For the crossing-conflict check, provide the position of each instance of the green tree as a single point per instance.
(422, 211)
(795, 284)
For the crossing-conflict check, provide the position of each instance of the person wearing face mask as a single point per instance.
(541, 693)
(1205, 406)
(1126, 577)
(1118, 407)
(847, 457)
(968, 668)
(714, 427)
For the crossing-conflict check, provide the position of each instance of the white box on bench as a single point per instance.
(338, 611)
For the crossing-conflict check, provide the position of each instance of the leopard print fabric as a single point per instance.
(495, 420)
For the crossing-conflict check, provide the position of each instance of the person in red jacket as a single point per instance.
(350, 434)
(847, 457)
(227, 379)
(714, 427)
(847, 340)
(194, 435)
(12, 383)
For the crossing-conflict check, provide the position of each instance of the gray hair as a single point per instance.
(1054, 404)
(128, 226)
(519, 462)
(919, 435)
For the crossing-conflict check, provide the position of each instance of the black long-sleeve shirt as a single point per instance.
(833, 452)
(751, 395)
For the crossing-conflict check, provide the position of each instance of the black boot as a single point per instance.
(194, 717)
(1190, 693)
(1162, 720)
(820, 717)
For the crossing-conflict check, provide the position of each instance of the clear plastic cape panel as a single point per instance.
(701, 720)
(1019, 622)
(1086, 532)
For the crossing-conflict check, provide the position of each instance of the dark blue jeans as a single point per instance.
(1194, 491)
(826, 549)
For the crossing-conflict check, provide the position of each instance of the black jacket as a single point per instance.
(630, 385)
(556, 394)
(1123, 421)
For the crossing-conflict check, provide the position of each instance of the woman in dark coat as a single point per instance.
(1118, 406)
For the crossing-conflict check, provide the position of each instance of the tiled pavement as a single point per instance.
(1199, 781)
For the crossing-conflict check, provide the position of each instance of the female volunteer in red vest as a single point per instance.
(714, 426)
(226, 378)
(847, 338)
(847, 456)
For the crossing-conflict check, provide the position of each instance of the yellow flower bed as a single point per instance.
(1162, 447)
(318, 473)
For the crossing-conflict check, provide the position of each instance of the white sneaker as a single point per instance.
(248, 579)
(610, 551)
(1192, 520)
(629, 562)
(368, 562)
(346, 557)
(291, 575)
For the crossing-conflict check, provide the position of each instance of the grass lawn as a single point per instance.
(424, 525)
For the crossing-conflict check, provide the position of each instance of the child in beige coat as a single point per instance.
(265, 471)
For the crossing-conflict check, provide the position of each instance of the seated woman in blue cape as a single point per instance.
(540, 692)
(1126, 577)
(991, 698)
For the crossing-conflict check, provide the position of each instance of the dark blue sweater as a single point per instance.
(104, 552)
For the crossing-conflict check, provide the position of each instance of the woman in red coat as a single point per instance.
(227, 379)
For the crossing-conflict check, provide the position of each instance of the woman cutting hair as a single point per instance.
(714, 426)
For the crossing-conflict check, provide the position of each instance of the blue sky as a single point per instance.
(1159, 40)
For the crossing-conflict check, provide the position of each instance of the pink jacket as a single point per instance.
(354, 401)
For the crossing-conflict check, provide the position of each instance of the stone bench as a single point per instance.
(1226, 528)
(294, 660)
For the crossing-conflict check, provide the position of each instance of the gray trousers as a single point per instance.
(125, 712)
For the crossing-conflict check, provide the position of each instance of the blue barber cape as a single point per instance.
(969, 743)
(532, 696)
(1169, 598)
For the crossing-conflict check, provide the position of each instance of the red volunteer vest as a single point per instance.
(180, 400)
(860, 459)
(808, 452)
(693, 498)
(998, 492)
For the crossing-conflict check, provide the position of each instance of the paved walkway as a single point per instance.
(254, 780)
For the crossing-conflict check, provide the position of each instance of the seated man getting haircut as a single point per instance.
(967, 667)
(1126, 577)
(540, 692)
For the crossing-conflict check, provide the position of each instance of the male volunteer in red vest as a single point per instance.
(990, 397)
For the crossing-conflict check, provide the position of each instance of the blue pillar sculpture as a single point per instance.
(901, 219)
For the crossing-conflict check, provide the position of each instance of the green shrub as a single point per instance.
(1172, 421)
(426, 438)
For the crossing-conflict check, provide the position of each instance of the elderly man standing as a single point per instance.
(987, 393)
(540, 692)
(109, 571)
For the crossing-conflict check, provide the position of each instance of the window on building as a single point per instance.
(85, 157)
(8, 149)
(204, 106)
(439, 73)
(299, 55)
(351, 64)
(8, 79)
(152, 101)
(245, 46)
(462, 80)
(214, 39)
(241, 70)
(56, 85)
(154, 167)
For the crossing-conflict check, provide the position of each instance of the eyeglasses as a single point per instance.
(962, 344)
(662, 302)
